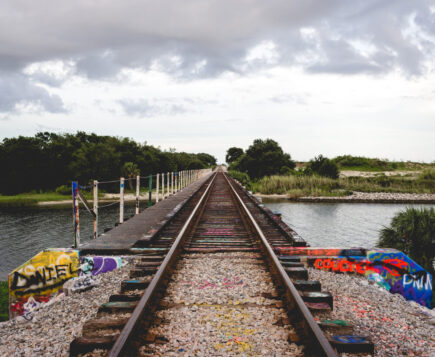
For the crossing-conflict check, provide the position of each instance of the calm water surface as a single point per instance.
(25, 232)
(339, 224)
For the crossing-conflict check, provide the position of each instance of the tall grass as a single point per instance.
(297, 186)
(428, 174)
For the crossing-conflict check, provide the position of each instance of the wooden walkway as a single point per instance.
(143, 226)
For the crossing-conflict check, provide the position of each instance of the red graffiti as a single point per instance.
(344, 265)
(398, 263)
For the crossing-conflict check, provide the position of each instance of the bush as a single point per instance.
(64, 190)
(263, 158)
(412, 232)
(242, 177)
(322, 166)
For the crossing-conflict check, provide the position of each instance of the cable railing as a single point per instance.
(162, 185)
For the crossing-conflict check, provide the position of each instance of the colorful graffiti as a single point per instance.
(389, 268)
(99, 265)
(319, 251)
(40, 278)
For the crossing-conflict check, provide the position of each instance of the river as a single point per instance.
(25, 232)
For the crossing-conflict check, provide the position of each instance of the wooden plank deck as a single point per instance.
(143, 226)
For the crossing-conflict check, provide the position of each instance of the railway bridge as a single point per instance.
(210, 263)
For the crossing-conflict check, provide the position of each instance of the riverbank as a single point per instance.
(54, 199)
(356, 197)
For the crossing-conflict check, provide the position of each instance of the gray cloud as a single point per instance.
(192, 39)
(16, 89)
(143, 108)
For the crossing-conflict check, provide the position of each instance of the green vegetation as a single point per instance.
(265, 168)
(242, 177)
(4, 301)
(233, 154)
(360, 163)
(322, 166)
(412, 232)
(263, 158)
(302, 185)
(31, 199)
(428, 174)
(297, 186)
(48, 160)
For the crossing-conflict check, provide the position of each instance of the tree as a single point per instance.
(263, 158)
(233, 154)
(412, 232)
(207, 159)
(322, 166)
(130, 170)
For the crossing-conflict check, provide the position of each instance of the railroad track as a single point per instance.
(209, 283)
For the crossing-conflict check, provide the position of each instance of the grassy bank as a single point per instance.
(3, 300)
(297, 186)
(30, 199)
(360, 163)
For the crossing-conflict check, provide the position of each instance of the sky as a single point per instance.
(320, 77)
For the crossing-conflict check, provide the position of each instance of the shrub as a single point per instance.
(64, 190)
(242, 177)
(412, 232)
(322, 166)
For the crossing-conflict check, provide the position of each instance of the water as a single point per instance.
(25, 232)
(339, 224)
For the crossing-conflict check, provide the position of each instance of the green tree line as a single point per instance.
(49, 160)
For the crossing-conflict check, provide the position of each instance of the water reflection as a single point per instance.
(338, 224)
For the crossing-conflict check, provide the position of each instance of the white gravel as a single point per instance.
(378, 196)
(54, 327)
(396, 326)
(216, 307)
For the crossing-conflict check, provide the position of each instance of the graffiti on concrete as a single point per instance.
(40, 278)
(99, 265)
(80, 284)
(389, 268)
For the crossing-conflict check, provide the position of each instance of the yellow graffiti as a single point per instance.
(44, 274)
(227, 320)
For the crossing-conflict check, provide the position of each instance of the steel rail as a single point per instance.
(121, 345)
(320, 346)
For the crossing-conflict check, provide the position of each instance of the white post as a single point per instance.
(96, 209)
(168, 190)
(172, 182)
(157, 188)
(121, 201)
(163, 186)
(137, 193)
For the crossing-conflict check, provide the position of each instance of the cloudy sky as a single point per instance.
(320, 77)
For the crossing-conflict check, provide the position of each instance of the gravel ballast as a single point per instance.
(216, 307)
(396, 326)
(53, 327)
